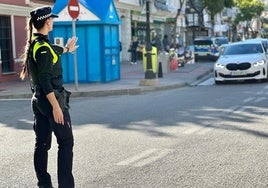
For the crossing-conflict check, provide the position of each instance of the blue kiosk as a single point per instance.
(97, 29)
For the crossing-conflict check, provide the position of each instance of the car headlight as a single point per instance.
(259, 63)
(218, 65)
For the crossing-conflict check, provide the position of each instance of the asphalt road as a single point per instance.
(201, 136)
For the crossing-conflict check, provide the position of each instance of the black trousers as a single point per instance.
(44, 125)
(133, 56)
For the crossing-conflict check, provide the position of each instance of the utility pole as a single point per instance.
(150, 75)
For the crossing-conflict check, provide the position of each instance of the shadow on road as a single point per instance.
(130, 113)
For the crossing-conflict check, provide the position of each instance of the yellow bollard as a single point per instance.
(154, 59)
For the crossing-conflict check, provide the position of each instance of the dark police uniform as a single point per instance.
(46, 71)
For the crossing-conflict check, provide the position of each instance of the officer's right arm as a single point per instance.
(43, 58)
(57, 112)
(45, 66)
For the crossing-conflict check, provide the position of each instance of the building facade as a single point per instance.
(13, 34)
(132, 14)
(133, 21)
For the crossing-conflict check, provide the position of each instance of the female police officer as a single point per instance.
(43, 64)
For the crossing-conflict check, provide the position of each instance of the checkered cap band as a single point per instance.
(42, 13)
(43, 17)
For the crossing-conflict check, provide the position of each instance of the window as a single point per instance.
(6, 44)
(203, 42)
(141, 2)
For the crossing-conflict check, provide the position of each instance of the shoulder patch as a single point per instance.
(43, 52)
(40, 42)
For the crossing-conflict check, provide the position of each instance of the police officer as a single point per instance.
(43, 64)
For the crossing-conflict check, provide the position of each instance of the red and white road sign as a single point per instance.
(73, 8)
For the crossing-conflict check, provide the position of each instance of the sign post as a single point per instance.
(74, 10)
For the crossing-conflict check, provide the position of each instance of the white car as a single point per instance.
(245, 60)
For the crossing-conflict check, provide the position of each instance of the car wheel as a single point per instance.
(195, 59)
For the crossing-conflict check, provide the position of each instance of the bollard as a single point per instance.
(160, 72)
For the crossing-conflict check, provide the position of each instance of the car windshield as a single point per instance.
(220, 41)
(243, 49)
(203, 42)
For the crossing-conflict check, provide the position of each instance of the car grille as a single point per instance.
(240, 66)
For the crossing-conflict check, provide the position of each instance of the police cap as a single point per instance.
(40, 15)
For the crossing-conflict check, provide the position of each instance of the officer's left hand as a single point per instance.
(71, 44)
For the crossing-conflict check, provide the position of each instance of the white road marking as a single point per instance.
(231, 109)
(192, 130)
(158, 155)
(260, 93)
(207, 82)
(135, 158)
(146, 157)
(260, 99)
(26, 121)
(204, 131)
(248, 99)
(241, 109)
(18, 99)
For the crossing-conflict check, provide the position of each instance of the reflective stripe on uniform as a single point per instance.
(38, 45)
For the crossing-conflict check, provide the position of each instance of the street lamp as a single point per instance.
(149, 74)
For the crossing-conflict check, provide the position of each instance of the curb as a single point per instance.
(104, 93)
(133, 91)
(116, 92)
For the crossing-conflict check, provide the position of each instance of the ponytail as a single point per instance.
(26, 50)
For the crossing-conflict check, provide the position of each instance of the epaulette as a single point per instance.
(39, 40)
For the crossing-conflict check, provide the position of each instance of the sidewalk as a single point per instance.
(129, 84)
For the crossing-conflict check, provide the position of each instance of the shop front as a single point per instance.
(138, 28)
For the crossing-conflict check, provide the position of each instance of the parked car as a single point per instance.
(208, 47)
(242, 61)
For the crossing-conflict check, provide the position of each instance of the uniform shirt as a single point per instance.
(45, 65)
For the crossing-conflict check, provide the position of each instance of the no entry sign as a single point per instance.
(73, 8)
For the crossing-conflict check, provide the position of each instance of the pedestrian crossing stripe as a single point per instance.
(146, 157)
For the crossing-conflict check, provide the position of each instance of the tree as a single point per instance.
(194, 9)
(229, 3)
(249, 9)
(214, 8)
(176, 20)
